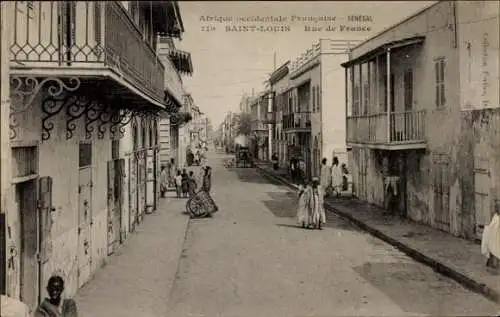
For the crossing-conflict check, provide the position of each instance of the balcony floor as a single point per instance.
(108, 79)
(393, 146)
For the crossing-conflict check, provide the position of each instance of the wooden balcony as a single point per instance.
(297, 122)
(405, 130)
(86, 39)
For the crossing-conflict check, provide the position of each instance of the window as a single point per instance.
(318, 103)
(439, 66)
(143, 134)
(366, 97)
(314, 98)
(408, 84)
(355, 101)
(135, 136)
(85, 155)
(115, 149)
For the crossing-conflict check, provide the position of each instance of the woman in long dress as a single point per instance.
(304, 195)
(337, 179)
(316, 208)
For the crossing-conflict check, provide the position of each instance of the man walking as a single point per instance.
(325, 176)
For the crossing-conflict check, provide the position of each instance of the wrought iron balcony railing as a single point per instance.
(86, 35)
(403, 127)
(297, 120)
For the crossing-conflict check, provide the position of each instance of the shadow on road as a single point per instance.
(251, 175)
(392, 278)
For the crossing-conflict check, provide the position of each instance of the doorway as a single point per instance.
(85, 214)
(482, 199)
(116, 170)
(25, 198)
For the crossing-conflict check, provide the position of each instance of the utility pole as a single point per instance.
(274, 61)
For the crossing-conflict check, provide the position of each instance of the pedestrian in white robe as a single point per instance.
(326, 176)
(304, 195)
(316, 207)
(337, 178)
(490, 244)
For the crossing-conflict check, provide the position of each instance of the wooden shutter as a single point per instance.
(442, 64)
(45, 208)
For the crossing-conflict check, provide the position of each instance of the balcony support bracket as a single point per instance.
(119, 121)
(92, 115)
(105, 117)
(75, 111)
(25, 90)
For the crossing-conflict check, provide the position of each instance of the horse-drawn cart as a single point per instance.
(243, 157)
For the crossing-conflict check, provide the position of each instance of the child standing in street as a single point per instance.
(185, 183)
(178, 183)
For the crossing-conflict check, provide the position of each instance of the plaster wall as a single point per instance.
(332, 98)
(58, 158)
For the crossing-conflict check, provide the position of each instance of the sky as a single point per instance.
(230, 63)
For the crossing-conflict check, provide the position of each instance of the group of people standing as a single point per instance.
(311, 212)
(311, 195)
(334, 177)
(186, 183)
(197, 157)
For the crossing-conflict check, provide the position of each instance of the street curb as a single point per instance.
(436, 265)
(179, 256)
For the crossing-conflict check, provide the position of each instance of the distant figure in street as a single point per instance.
(326, 175)
(316, 208)
(293, 169)
(55, 305)
(274, 158)
(172, 171)
(207, 180)
(191, 184)
(337, 179)
(345, 180)
(490, 245)
(178, 183)
(197, 158)
(185, 183)
(304, 196)
(189, 157)
(164, 181)
(301, 173)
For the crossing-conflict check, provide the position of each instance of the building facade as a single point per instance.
(259, 137)
(311, 99)
(86, 89)
(280, 83)
(172, 131)
(423, 116)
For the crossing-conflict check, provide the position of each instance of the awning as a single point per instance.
(166, 17)
(171, 103)
(383, 48)
(182, 61)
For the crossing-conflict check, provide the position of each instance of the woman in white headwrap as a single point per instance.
(304, 195)
(316, 208)
(337, 179)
